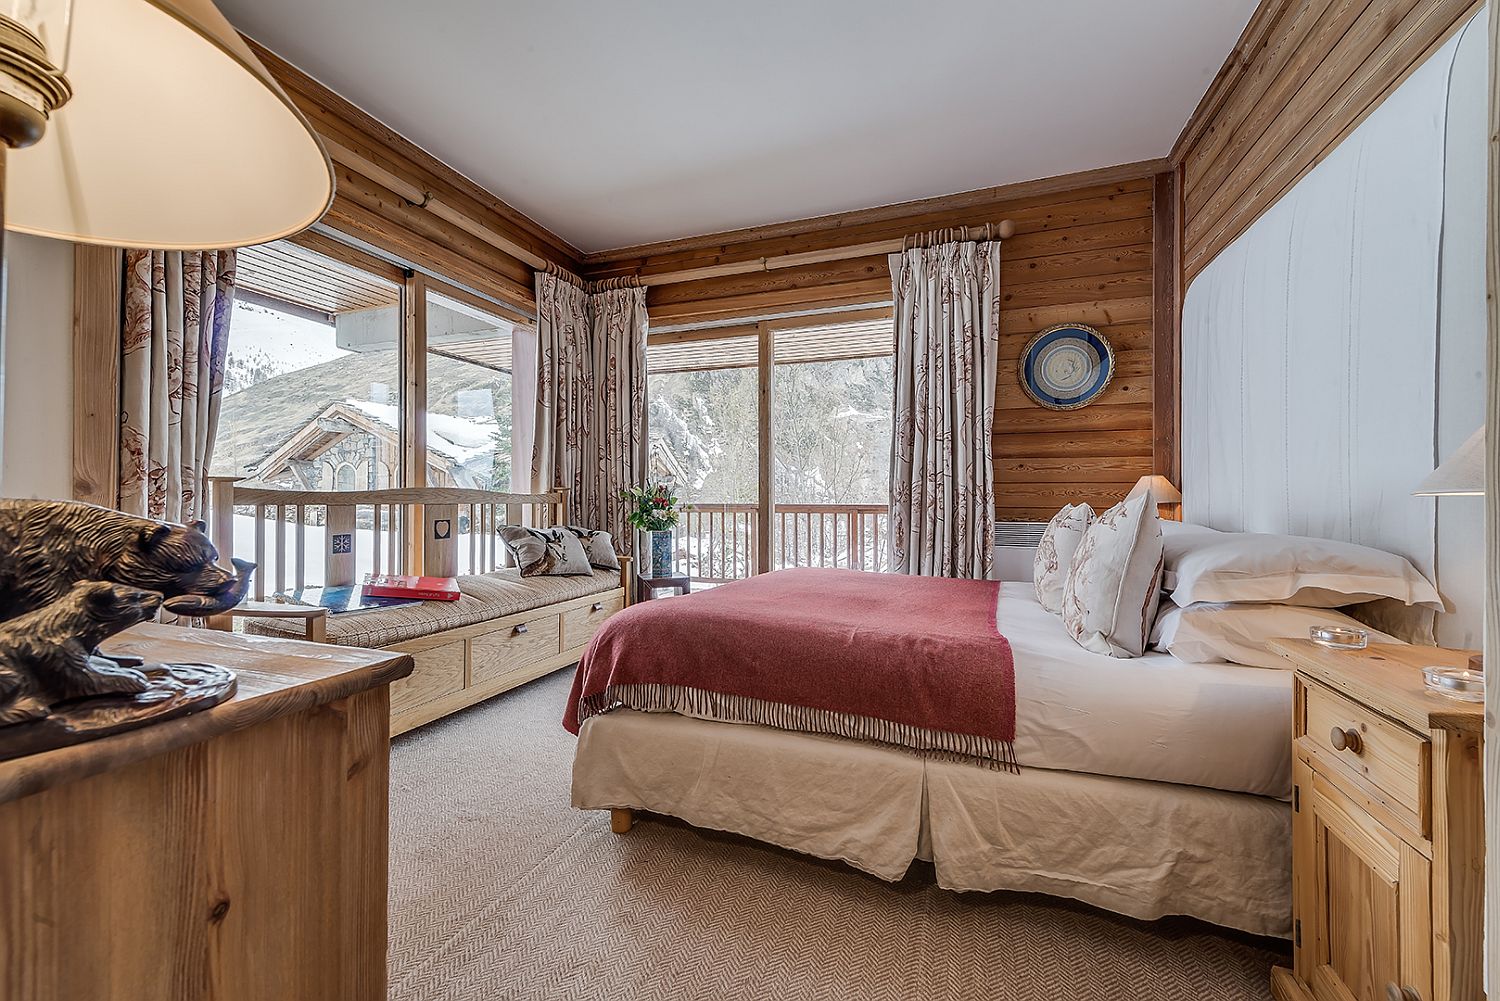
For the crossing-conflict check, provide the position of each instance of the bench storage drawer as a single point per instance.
(580, 624)
(438, 671)
(511, 648)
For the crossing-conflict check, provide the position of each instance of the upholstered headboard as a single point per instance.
(1335, 351)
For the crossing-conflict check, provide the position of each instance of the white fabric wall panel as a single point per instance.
(1310, 344)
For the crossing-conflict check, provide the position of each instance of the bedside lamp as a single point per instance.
(1168, 498)
(151, 125)
(1460, 475)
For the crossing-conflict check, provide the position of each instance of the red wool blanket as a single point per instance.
(912, 661)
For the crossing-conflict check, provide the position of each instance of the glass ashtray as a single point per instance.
(1455, 682)
(1339, 637)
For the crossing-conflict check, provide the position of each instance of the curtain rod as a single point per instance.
(426, 200)
(1005, 229)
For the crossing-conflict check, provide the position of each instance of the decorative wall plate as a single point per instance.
(1066, 367)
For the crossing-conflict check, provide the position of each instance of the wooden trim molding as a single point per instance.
(397, 197)
(1166, 329)
(727, 243)
(96, 374)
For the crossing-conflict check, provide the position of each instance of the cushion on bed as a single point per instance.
(1115, 580)
(545, 552)
(1054, 554)
(1214, 633)
(482, 597)
(1289, 570)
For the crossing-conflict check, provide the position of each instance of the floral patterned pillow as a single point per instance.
(547, 552)
(1114, 583)
(1054, 555)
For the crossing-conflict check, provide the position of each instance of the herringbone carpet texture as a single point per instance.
(499, 890)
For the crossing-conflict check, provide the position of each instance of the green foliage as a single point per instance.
(652, 508)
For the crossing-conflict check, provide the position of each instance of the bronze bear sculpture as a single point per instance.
(49, 548)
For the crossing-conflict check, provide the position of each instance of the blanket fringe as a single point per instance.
(964, 748)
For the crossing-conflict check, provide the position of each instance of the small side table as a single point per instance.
(646, 587)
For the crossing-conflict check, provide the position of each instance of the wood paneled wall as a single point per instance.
(370, 211)
(1082, 252)
(1304, 74)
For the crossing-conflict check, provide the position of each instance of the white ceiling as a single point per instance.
(619, 123)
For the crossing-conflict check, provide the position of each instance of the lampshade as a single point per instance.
(1159, 487)
(176, 138)
(1462, 473)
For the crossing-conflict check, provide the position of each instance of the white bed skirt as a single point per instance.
(1143, 849)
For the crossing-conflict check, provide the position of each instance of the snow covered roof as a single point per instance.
(460, 439)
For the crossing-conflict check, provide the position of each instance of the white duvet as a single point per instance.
(1154, 717)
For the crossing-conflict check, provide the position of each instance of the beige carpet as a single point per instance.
(499, 890)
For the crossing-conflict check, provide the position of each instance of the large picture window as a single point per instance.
(313, 377)
(804, 482)
(323, 390)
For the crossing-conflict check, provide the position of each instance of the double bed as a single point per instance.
(1147, 786)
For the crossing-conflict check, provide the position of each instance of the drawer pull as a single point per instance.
(1346, 740)
(1394, 993)
(598, 607)
(520, 629)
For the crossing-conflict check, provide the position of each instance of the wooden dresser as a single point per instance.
(239, 853)
(1388, 829)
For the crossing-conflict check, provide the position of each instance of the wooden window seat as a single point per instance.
(504, 631)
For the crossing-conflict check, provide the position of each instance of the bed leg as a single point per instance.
(621, 820)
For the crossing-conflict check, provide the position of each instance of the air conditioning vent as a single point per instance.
(1020, 534)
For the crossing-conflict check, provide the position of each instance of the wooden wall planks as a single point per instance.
(1083, 252)
(369, 211)
(1304, 74)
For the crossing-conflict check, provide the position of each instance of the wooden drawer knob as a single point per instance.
(1346, 740)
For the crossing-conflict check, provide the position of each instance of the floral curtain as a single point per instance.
(175, 337)
(947, 319)
(591, 399)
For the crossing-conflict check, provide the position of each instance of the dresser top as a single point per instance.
(277, 677)
(1388, 679)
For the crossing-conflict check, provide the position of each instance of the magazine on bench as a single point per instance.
(345, 599)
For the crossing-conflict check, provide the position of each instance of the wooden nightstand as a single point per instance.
(1387, 829)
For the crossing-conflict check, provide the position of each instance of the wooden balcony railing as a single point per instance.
(717, 543)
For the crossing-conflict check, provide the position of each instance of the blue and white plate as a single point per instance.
(1067, 366)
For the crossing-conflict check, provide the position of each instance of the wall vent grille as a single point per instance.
(1020, 534)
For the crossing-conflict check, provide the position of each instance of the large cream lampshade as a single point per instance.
(175, 136)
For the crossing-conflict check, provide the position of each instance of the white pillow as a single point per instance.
(1178, 538)
(1212, 633)
(1115, 580)
(1054, 554)
(1290, 570)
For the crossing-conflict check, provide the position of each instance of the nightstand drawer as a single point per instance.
(1370, 747)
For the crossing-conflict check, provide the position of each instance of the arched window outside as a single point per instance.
(345, 478)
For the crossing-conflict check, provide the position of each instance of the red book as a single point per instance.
(396, 586)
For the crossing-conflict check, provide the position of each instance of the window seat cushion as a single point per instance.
(483, 597)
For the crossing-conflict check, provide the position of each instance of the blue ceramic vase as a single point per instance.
(661, 554)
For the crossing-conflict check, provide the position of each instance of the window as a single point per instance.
(468, 393)
(312, 380)
(703, 421)
(829, 426)
(313, 395)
